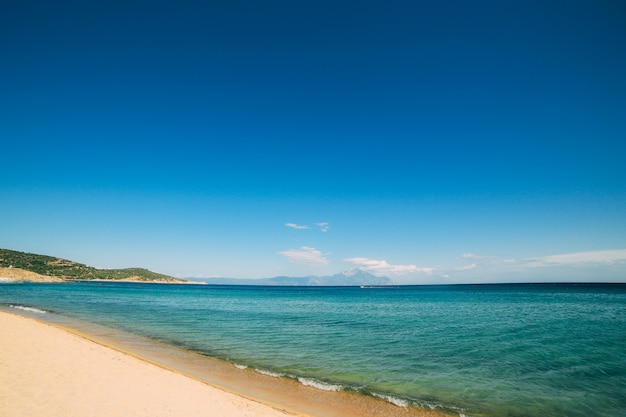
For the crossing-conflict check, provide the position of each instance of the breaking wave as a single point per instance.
(29, 309)
(319, 385)
(393, 400)
(269, 373)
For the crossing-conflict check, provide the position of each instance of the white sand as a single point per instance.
(48, 372)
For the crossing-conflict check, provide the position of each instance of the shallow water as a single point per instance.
(488, 350)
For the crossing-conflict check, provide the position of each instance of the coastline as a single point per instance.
(17, 275)
(47, 371)
(79, 373)
(140, 281)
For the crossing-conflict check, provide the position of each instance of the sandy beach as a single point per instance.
(48, 372)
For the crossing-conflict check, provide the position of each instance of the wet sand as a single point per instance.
(49, 370)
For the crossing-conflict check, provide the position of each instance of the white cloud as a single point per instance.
(605, 265)
(579, 258)
(305, 255)
(474, 256)
(296, 226)
(324, 226)
(382, 267)
(574, 259)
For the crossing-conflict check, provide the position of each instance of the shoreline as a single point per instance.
(49, 371)
(12, 275)
(281, 396)
(139, 281)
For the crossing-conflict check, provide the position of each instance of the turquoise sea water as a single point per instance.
(485, 350)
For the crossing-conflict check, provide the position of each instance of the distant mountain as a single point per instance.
(353, 277)
(50, 267)
(20, 266)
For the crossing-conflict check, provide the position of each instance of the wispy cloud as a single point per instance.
(561, 266)
(296, 226)
(324, 226)
(474, 256)
(382, 267)
(578, 258)
(305, 255)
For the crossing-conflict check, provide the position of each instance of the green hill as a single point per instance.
(69, 270)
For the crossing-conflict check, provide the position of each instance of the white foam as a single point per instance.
(393, 400)
(236, 365)
(6, 279)
(269, 373)
(319, 385)
(30, 309)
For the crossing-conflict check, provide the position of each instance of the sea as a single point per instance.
(531, 350)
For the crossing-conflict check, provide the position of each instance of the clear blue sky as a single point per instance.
(429, 141)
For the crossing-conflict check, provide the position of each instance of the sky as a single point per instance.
(427, 141)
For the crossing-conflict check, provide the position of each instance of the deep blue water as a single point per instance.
(484, 350)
